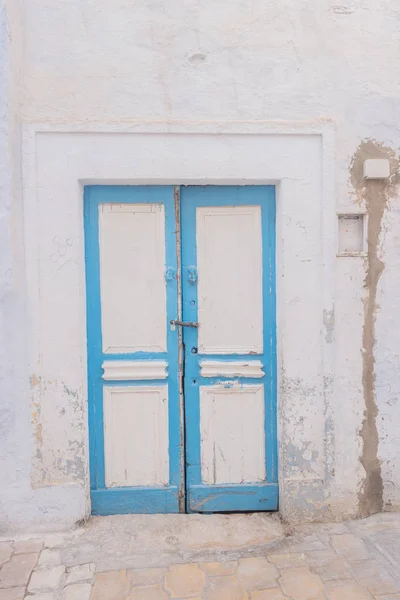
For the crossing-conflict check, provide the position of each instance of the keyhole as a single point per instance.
(194, 350)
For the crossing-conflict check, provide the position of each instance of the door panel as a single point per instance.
(132, 284)
(132, 459)
(132, 294)
(229, 269)
(228, 287)
(232, 438)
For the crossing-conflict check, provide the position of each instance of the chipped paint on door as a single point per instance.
(150, 321)
(230, 359)
(132, 293)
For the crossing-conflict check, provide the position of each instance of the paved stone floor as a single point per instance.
(237, 557)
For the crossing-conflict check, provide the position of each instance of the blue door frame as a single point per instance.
(184, 446)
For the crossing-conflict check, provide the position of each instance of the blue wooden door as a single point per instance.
(181, 348)
(228, 289)
(135, 427)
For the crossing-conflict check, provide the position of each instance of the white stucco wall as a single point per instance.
(111, 64)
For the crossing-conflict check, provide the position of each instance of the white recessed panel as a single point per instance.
(136, 436)
(232, 434)
(229, 259)
(132, 265)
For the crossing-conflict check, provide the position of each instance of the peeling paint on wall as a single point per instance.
(329, 324)
(57, 459)
(302, 452)
(329, 428)
(376, 195)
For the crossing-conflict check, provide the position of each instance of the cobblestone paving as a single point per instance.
(352, 561)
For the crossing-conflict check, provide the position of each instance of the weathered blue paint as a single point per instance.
(208, 498)
(233, 498)
(143, 499)
(229, 381)
(201, 498)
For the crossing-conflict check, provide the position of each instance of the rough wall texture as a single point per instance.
(7, 416)
(114, 61)
(13, 367)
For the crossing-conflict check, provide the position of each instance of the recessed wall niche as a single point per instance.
(351, 235)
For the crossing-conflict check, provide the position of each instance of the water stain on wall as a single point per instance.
(376, 195)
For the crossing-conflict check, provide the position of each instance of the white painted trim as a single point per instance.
(134, 370)
(321, 126)
(231, 368)
(299, 158)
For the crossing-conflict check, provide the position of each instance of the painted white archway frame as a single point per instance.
(299, 160)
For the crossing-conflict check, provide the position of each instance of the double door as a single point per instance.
(181, 348)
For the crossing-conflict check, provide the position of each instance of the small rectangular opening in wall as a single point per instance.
(351, 235)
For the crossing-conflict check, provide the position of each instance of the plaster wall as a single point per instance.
(72, 68)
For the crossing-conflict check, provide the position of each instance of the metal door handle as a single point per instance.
(184, 323)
